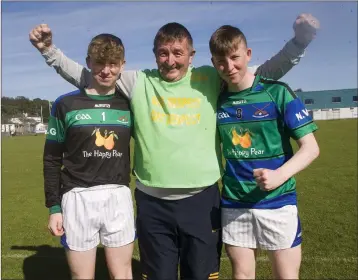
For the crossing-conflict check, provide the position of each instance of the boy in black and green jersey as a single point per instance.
(256, 119)
(87, 168)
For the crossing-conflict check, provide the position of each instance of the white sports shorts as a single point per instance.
(97, 214)
(268, 229)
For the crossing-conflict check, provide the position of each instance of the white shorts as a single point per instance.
(268, 229)
(97, 214)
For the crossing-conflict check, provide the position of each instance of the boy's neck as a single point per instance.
(93, 91)
(245, 83)
(97, 90)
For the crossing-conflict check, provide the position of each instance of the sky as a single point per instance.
(330, 61)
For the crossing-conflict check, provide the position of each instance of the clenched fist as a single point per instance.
(268, 179)
(41, 37)
(305, 27)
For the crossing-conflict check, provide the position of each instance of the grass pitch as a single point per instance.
(327, 194)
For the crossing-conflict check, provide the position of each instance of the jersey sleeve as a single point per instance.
(278, 65)
(52, 157)
(296, 118)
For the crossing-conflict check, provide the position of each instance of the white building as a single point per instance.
(331, 104)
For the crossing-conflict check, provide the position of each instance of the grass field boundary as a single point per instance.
(259, 259)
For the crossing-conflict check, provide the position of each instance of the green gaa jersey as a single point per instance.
(255, 127)
(87, 143)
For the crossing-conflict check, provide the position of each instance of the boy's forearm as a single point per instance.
(278, 65)
(301, 159)
(70, 70)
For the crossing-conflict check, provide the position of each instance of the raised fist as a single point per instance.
(41, 37)
(305, 27)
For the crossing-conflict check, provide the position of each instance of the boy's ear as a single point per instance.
(122, 66)
(248, 53)
(88, 62)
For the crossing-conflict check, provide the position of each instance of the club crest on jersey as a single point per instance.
(107, 140)
(261, 112)
(123, 120)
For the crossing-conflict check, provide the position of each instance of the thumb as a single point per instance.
(59, 225)
(258, 172)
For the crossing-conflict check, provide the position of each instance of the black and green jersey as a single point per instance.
(255, 127)
(87, 143)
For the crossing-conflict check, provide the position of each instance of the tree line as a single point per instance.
(15, 107)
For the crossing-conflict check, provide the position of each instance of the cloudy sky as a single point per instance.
(330, 61)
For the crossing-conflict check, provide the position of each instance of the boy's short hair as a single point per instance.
(105, 47)
(226, 40)
(171, 32)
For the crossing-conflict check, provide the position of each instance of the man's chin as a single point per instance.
(171, 77)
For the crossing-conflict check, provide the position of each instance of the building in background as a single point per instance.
(330, 104)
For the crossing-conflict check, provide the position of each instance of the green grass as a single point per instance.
(327, 193)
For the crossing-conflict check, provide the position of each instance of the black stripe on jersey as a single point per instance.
(307, 123)
(271, 82)
(249, 121)
(248, 159)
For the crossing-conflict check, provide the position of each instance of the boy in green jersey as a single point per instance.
(256, 119)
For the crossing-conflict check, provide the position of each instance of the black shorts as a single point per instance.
(185, 231)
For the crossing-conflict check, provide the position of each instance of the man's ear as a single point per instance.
(191, 56)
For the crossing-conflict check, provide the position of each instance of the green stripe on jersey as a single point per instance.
(102, 116)
(100, 97)
(55, 130)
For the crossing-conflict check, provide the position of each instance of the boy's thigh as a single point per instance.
(117, 226)
(286, 262)
(82, 263)
(243, 261)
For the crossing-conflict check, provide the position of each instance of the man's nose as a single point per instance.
(171, 60)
